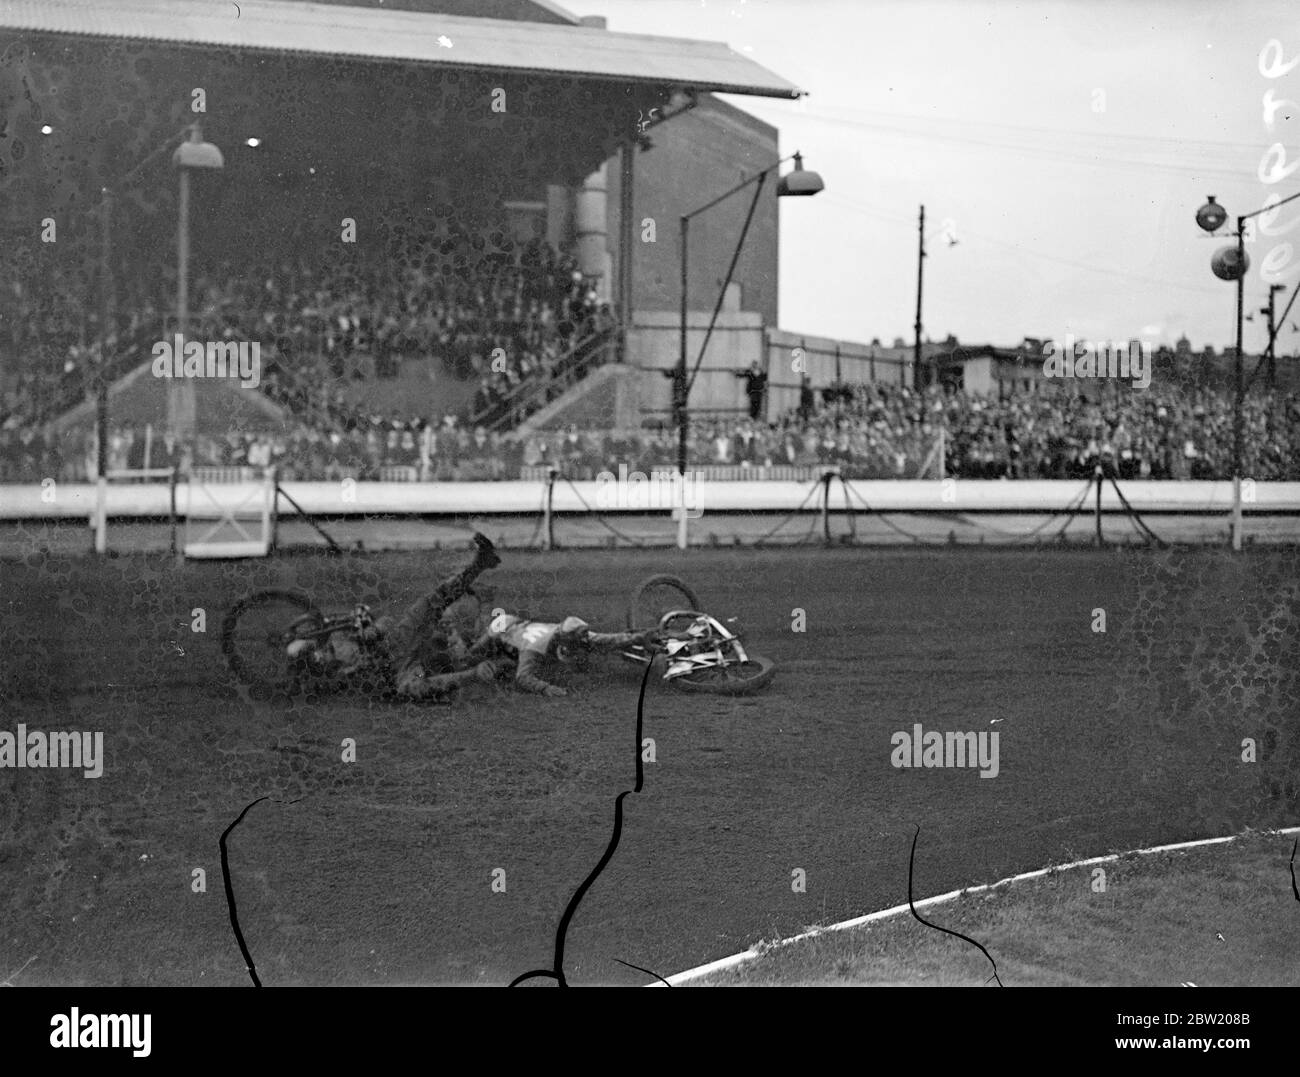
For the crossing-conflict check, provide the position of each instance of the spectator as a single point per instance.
(755, 388)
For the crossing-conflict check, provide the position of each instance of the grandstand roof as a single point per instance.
(522, 10)
(406, 36)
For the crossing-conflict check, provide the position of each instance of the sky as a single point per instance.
(1066, 146)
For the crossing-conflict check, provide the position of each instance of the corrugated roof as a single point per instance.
(413, 37)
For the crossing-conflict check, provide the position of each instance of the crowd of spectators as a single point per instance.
(1056, 433)
(870, 432)
(511, 315)
(502, 320)
(547, 353)
(455, 296)
(892, 432)
(304, 452)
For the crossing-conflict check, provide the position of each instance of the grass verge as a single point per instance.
(1216, 916)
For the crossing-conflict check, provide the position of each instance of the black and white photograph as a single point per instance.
(650, 493)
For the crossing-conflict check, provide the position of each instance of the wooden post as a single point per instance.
(171, 508)
(827, 475)
(548, 518)
(1096, 476)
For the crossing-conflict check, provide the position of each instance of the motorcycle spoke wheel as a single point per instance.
(731, 679)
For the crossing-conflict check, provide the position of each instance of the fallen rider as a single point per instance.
(417, 654)
(514, 643)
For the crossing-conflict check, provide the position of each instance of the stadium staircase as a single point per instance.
(605, 399)
(125, 356)
(590, 369)
(138, 399)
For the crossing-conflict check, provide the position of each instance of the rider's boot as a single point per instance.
(485, 557)
(419, 685)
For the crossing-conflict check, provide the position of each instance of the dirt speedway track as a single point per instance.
(381, 871)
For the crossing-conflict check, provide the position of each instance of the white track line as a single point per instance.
(898, 910)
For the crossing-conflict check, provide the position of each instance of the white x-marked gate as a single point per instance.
(229, 513)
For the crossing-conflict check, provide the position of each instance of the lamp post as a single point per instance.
(796, 183)
(1231, 264)
(101, 389)
(190, 154)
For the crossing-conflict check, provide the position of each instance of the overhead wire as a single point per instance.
(1019, 249)
(1057, 154)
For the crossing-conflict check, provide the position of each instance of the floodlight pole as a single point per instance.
(680, 393)
(101, 397)
(193, 153)
(180, 391)
(1238, 416)
(1211, 217)
(1238, 420)
(681, 380)
(105, 307)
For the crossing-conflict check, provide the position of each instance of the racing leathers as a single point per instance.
(525, 644)
(414, 652)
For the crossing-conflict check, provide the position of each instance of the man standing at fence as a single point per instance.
(755, 388)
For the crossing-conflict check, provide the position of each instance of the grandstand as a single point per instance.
(467, 267)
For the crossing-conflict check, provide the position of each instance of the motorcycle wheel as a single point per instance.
(733, 679)
(255, 634)
(655, 596)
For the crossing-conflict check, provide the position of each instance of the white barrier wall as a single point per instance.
(77, 501)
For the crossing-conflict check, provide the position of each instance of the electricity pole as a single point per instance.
(1272, 331)
(917, 379)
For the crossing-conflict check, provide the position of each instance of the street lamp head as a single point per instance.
(195, 153)
(1211, 215)
(799, 181)
(1229, 263)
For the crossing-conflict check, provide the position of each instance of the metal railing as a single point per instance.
(592, 351)
(705, 472)
(210, 475)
